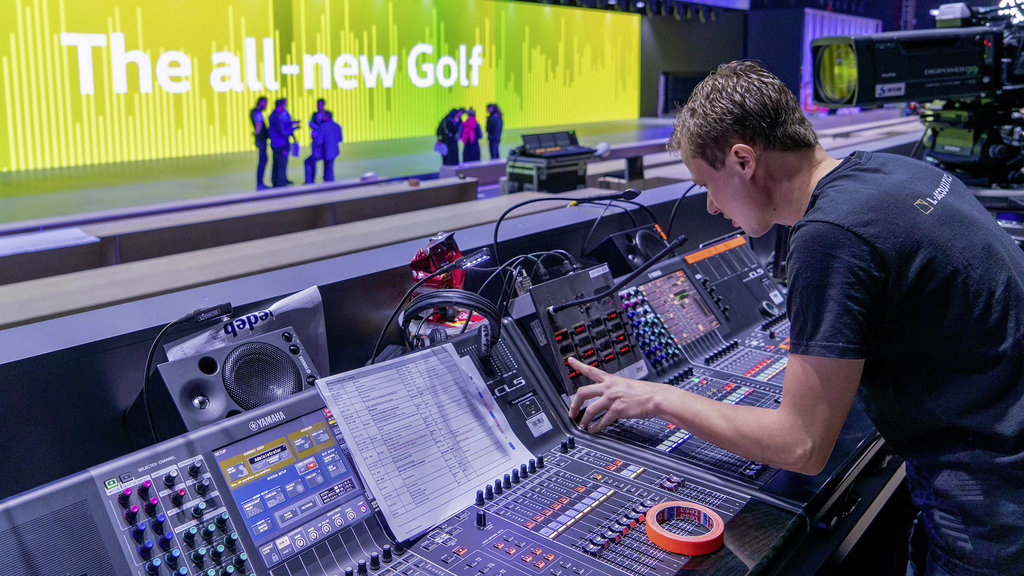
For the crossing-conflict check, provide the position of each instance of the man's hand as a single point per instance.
(617, 397)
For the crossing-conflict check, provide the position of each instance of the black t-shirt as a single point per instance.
(897, 263)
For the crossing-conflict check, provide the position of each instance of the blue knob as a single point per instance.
(146, 549)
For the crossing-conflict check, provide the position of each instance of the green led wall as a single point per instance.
(113, 81)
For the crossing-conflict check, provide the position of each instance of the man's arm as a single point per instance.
(798, 436)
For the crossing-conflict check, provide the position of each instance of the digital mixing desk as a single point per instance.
(710, 322)
(277, 490)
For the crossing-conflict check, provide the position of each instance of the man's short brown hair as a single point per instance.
(740, 102)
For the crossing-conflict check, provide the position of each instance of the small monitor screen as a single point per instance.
(531, 141)
(547, 140)
(294, 484)
(562, 139)
(686, 315)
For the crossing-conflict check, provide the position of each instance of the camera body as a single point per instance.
(968, 81)
(902, 66)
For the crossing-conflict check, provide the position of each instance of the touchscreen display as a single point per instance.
(683, 311)
(294, 485)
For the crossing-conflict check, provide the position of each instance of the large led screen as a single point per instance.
(113, 81)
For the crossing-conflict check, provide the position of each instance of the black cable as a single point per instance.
(514, 264)
(626, 211)
(507, 289)
(442, 270)
(675, 207)
(627, 194)
(145, 382)
(568, 257)
(469, 317)
(497, 223)
(645, 208)
(917, 147)
(449, 297)
(552, 310)
(197, 316)
(586, 239)
(510, 266)
(398, 309)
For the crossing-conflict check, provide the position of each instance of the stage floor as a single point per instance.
(59, 192)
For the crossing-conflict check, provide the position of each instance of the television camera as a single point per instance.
(966, 78)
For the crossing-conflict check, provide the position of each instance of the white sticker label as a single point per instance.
(890, 90)
(539, 424)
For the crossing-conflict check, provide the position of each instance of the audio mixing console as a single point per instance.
(711, 322)
(275, 491)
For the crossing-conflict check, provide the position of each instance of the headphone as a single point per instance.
(427, 302)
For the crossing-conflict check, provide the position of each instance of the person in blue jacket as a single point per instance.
(495, 124)
(281, 129)
(325, 147)
(260, 136)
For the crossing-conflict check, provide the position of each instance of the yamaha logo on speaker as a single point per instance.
(274, 418)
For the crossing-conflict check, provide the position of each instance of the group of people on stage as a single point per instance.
(279, 130)
(461, 125)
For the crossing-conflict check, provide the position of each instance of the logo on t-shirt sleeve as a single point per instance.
(926, 205)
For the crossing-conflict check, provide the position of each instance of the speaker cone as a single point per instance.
(257, 373)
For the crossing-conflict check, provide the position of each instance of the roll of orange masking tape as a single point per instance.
(679, 544)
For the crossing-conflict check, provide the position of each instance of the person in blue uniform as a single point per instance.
(495, 124)
(903, 291)
(448, 137)
(325, 147)
(281, 128)
(260, 135)
(316, 142)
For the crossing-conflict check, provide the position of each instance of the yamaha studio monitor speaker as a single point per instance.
(628, 250)
(192, 392)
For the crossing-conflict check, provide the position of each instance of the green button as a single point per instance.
(110, 484)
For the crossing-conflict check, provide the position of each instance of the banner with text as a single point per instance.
(114, 81)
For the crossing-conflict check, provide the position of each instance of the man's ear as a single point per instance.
(743, 158)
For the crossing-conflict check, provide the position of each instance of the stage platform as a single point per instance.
(59, 192)
(66, 191)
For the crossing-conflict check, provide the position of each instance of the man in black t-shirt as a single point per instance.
(903, 291)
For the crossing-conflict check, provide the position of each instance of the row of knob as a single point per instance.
(773, 321)
(208, 531)
(658, 345)
(721, 353)
(170, 479)
(150, 506)
(505, 483)
(150, 503)
(717, 300)
(198, 556)
(386, 556)
(618, 527)
(681, 376)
